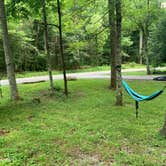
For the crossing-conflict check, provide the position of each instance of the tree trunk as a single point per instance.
(140, 47)
(146, 53)
(8, 54)
(163, 130)
(119, 99)
(147, 65)
(47, 50)
(146, 39)
(56, 53)
(113, 46)
(61, 48)
(96, 50)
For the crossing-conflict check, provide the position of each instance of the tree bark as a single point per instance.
(47, 49)
(113, 46)
(146, 52)
(163, 130)
(140, 47)
(146, 38)
(96, 50)
(56, 53)
(8, 54)
(61, 47)
(119, 98)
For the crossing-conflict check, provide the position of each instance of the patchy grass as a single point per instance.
(135, 73)
(143, 73)
(132, 65)
(84, 129)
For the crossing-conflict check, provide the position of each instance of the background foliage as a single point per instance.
(85, 30)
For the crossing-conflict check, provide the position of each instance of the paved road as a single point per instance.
(85, 75)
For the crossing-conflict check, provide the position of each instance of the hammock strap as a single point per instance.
(136, 108)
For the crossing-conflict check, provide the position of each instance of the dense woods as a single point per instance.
(8, 53)
(48, 35)
(86, 33)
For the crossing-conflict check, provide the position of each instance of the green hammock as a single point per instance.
(137, 97)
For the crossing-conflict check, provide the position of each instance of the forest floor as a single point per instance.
(84, 129)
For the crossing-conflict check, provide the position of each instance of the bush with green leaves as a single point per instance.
(26, 56)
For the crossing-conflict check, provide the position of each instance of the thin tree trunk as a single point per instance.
(47, 50)
(61, 48)
(96, 50)
(119, 98)
(78, 54)
(163, 130)
(8, 54)
(140, 47)
(56, 53)
(113, 46)
(146, 38)
(1, 76)
(147, 65)
(146, 54)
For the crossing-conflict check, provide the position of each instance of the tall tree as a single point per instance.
(61, 47)
(47, 49)
(163, 130)
(146, 37)
(143, 14)
(157, 43)
(115, 20)
(113, 43)
(8, 53)
(140, 47)
(119, 100)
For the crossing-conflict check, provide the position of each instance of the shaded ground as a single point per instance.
(85, 129)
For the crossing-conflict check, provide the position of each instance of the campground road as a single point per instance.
(83, 75)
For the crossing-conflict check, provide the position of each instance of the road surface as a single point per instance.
(84, 75)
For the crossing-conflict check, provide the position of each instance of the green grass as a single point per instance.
(135, 73)
(132, 65)
(84, 129)
(143, 73)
